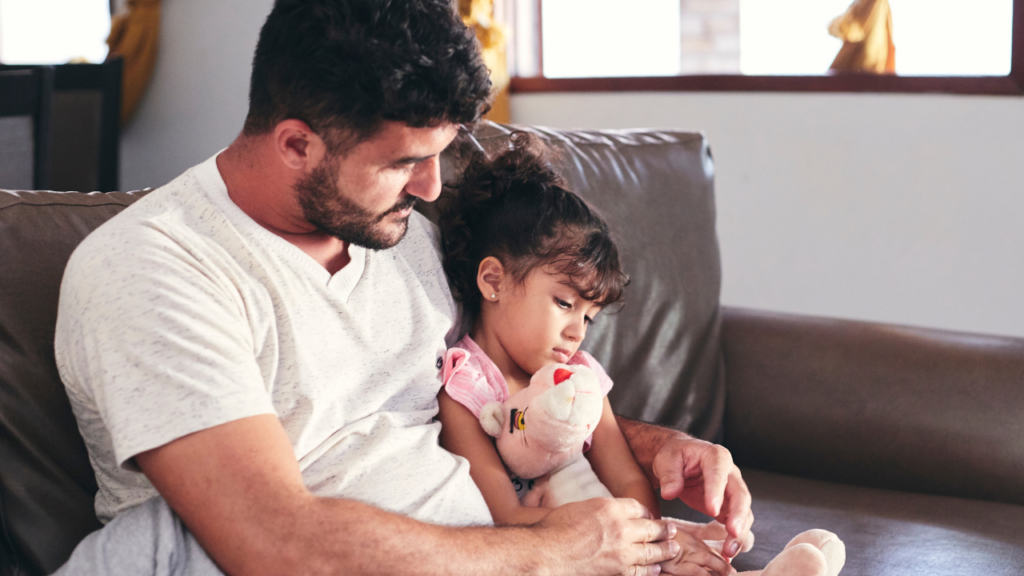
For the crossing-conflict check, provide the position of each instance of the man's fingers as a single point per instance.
(654, 570)
(733, 544)
(747, 525)
(670, 476)
(648, 553)
(738, 514)
(718, 470)
(645, 530)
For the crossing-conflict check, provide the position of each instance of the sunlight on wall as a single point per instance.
(53, 31)
(584, 38)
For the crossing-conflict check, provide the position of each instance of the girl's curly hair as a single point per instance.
(514, 207)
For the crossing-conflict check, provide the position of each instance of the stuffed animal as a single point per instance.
(540, 432)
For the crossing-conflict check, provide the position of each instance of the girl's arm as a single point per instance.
(615, 466)
(461, 434)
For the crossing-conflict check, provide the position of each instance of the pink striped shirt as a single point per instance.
(472, 379)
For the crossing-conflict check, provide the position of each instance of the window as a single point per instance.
(941, 46)
(53, 31)
(583, 38)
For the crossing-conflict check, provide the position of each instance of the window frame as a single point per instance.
(1009, 85)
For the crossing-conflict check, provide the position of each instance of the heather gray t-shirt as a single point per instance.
(182, 313)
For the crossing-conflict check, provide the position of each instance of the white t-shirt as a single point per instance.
(182, 313)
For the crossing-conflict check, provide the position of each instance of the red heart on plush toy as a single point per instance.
(561, 375)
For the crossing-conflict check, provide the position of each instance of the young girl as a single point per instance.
(533, 265)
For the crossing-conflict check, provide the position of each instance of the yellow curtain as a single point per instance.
(134, 35)
(866, 32)
(479, 15)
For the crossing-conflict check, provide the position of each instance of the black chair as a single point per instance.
(84, 125)
(25, 116)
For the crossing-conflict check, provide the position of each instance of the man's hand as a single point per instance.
(699, 473)
(606, 536)
(703, 476)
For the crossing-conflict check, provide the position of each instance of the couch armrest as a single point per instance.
(876, 405)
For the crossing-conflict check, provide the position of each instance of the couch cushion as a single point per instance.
(656, 190)
(46, 482)
(887, 533)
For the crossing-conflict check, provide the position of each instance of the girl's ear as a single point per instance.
(489, 276)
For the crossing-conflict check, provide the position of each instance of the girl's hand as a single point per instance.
(695, 558)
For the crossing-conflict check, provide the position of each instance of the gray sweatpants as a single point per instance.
(147, 540)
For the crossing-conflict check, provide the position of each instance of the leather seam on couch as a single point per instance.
(52, 205)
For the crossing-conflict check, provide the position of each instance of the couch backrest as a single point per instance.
(655, 189)
(46, 482)
(877, 405)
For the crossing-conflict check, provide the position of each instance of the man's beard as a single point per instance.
(326, 207)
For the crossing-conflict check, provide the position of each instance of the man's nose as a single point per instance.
(426, 180)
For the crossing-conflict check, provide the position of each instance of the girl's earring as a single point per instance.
(493, 296)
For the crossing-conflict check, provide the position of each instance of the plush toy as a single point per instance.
(540, 432)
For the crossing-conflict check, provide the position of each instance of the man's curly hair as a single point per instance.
(346, 66)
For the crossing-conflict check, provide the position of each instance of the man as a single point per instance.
(259, 337)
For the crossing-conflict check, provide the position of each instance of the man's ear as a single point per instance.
(298, 146)
(489, 277)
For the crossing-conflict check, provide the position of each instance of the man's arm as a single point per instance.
(699, 473)
(238, 488)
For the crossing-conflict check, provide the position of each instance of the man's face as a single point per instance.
(365, 195)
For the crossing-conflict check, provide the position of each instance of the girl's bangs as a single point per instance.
(593, 270)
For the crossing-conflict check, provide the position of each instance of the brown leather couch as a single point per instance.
(908, 443)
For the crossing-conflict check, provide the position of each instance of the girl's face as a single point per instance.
(541, 322)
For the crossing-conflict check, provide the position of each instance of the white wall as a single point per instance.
(198, 97)
(895, 208)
